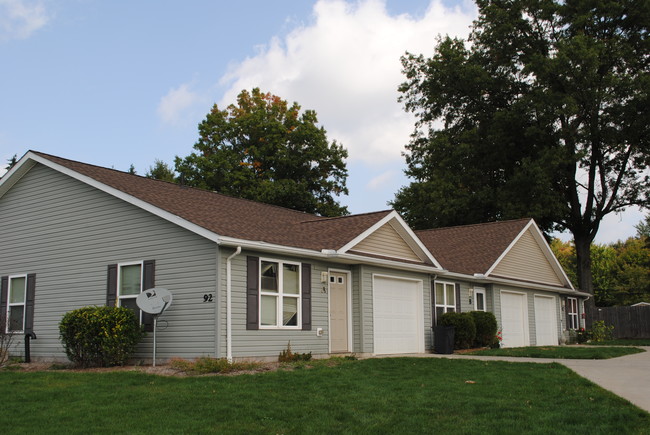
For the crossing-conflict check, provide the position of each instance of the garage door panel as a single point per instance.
(545, 321)
(397, 316)
(514, 322)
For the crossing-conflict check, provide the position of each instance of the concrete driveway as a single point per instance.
(626, 376)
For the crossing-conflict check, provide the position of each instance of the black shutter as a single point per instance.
(306, 297)
(148, 281)
(29, 303)
(4, 288)
(457, 297)
(433, 304)
(111, 286)
(252, 292)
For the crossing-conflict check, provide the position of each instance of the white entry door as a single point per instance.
(398, 308)
(514, 319)
(546, 321)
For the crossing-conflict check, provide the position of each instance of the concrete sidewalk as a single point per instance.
(626, 376)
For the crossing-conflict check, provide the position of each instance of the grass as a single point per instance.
(392, 395)
(622, 342)
(561, 352)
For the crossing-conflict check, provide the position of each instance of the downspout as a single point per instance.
(229, 304)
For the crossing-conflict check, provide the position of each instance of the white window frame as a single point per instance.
(480, 290)
(445, 305)
(9, 304)
(119, 283)
(280, 295)
(572, 316)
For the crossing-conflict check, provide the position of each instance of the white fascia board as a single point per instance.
(366, 233)
(415, 239)
(515, 283)
(390, 216)
(14, 174)
(177, 220)
(546, 250)
(328, 255)
(505, 252)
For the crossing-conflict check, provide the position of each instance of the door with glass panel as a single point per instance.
(338, 290)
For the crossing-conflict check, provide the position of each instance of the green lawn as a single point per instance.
(392, 395)
(563, 352)
(622, 342)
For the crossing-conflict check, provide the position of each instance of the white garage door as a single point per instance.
(545, 321)
(514, 320)
(398, 319)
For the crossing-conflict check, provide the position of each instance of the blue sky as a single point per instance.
(116, 83)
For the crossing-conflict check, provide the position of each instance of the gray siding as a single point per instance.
(527, 261)
(67, 233)
(386, 241)
(270, 342)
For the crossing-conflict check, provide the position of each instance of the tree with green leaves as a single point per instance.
(12, 162)
(264, 149)
(161, 171)
(542, 113)
(621, 270)
(643, 228)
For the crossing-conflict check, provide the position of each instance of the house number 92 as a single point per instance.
(207, 297)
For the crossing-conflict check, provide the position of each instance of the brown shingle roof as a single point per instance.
(471, 249)
(231, 217)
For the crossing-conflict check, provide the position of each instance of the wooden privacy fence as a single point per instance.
(628, 322)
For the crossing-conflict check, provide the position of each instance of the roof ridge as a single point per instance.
(474, 225)
(327, 219)
(316, 217)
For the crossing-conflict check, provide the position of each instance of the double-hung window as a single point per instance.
(17, 295)
(445, 298)
(572, 313)
(279, 294)
(129, 285)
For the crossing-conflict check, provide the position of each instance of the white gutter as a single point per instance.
(229, 304)
(482, 279)
(328, 254)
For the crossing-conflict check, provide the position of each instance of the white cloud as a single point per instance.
(346, 66)
(179, 105)
(20, 18)
(381, 181)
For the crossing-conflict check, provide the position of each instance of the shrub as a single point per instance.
(486, 328)
(288, 356)
(601, 332)
(464, 328)
(6, 340)
(582, 336)
(100, 336)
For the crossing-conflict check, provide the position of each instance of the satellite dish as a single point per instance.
(154, 301)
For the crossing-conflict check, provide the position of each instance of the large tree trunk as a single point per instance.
(583, 263)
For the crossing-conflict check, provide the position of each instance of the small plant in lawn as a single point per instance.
(100, 336)
(206, 365)
(288, 356)
(6, 340)
(582, 336)
(601, 332)
(496, 340)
